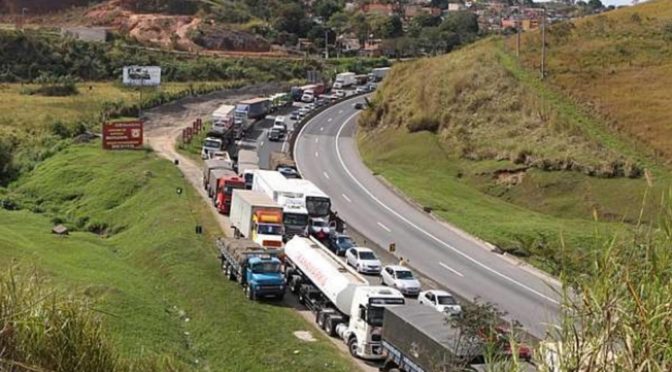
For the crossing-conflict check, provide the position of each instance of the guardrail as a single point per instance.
(300, 124)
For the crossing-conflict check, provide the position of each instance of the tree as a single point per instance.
(326, 8)
(291, 17)
(595, 4)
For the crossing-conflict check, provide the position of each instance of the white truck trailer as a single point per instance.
(223, 119)
(257, 217)
(248, 163)
(344, 80)
(343, 301)
(277, 187)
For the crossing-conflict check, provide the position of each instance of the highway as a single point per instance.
(326, 153)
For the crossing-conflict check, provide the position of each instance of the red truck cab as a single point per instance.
(225, 187)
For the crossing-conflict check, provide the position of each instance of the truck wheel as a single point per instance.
(250, 293)
(319, 319)
(329, 326)
(230, 274)
(352, 346)
(280, 296)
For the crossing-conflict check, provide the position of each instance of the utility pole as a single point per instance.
(23, 17)
(543, 43)
(518, 37)
(326, 44)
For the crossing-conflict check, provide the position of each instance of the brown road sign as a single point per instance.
(122, 135)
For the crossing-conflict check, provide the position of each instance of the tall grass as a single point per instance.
(42, 330)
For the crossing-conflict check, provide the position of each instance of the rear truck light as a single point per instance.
(272, 243)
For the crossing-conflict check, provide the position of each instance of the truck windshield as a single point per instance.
(318, 206)
(213, 144)
(266, 268)
(292, 219)
(266, 229)
(374, 316)
(230, 187)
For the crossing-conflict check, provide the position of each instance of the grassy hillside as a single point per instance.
(512, 151)
(135, 253)
(618, 66)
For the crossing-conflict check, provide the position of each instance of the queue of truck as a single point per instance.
(286, 240)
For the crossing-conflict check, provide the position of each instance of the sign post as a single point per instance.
(123, 135)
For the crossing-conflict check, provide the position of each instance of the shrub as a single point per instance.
(423, 123)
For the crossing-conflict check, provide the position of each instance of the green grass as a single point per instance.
(193, 149)
(479, 206)
(134, 251)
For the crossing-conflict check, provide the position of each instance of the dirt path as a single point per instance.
(163, 125)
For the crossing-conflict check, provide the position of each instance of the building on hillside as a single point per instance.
(380, 9)
(95, 34)
(372, 48)
(412, 11)
(455, 7)
(349, 44)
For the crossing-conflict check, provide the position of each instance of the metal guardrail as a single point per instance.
(301, 123)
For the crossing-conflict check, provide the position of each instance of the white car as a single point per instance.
(401, 278)
(440, 300)
(363, 259)
(340, 93)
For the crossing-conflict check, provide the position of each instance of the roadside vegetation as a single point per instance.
(548, 172)
(133, 261)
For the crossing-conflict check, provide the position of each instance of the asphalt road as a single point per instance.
(326, 153)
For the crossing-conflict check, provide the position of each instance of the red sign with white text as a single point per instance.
(123, 135)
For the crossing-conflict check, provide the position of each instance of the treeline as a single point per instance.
(24, 56)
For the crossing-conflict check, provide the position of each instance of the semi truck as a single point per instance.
(248, 163)
(344, 303)
(223, 119)
(223, 193)
(317, 89)
(253, 109)
(277, 187)
(377, 74)
(257, 217)
(317, 202)
(281, 162)
(417, 338)
(212, 164)
(344, 80)
(256, 269)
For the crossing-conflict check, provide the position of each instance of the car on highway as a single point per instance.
(340, 243)
(339, 93)
(358, 105)
(310, 106)
(303, 111)
(372, 86)
(294, 115)
(288, 172)
(361, 89)
(278, 131)
(401, 278)
(501, 338)
(321, 102)
(319, 228)
(363, 260)
(440, 300)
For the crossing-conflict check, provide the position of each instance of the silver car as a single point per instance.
(363, 259)
(401, 278)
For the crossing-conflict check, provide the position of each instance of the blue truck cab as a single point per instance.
(264, 277)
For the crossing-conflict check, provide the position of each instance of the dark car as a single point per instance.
(359, 106)
(339, 243)
(288, 172)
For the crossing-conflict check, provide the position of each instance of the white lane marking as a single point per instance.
(317, 139)
(425, 232)
(261, 144)
(321, 129)
(329, 120)
(284, 145)
(325, 175)
(340, 112)
(346, 198)
(384, 227)
(451, 269)
(317, 155)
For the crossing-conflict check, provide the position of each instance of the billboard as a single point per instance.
(122, 135)
(142, 76)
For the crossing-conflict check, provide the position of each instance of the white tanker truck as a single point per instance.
(343, 301)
